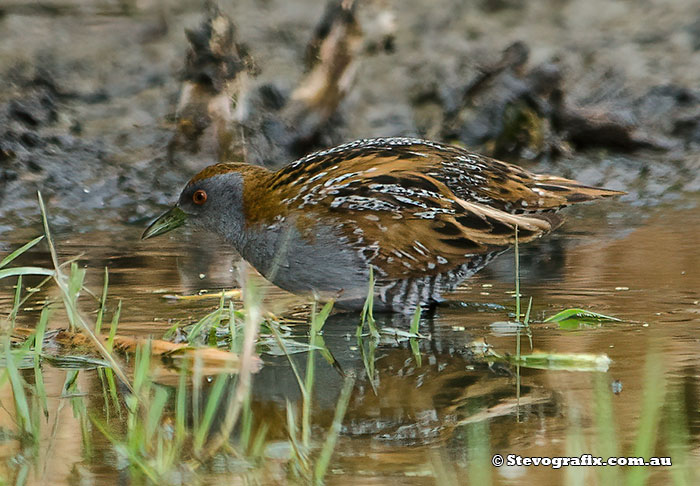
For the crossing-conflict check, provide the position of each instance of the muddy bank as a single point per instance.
(89, 94)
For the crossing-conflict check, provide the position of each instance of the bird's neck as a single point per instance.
(262, 205)
(264, 218)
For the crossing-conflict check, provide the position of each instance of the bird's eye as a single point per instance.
(199, 197)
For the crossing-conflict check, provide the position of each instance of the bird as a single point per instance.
(419, 216)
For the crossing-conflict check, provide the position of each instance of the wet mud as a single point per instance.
(93, 109)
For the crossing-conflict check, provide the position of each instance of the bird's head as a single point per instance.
(212, 200)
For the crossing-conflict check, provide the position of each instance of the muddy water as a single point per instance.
(642, 266)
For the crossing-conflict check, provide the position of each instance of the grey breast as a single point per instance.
(322, 264)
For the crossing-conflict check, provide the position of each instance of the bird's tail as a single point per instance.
(572, 191)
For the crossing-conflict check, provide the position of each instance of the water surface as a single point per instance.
(642, 266)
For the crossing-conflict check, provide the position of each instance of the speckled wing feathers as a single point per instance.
(415, 208)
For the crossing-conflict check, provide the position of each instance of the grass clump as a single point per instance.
(163, 434)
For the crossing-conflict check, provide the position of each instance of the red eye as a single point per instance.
(199, 197)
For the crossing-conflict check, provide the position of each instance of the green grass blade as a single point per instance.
(75, 281)
(479, 456)
(75, 285)
(233, 329)
(518, 360)
(203, 325)
(155, 413)
(142, 364)
(22, 474)
(113, 327)
(181, 408)
(246, 423)
(38, 347)
(309, 382)
(292, 364)
(368, 359)
(16, 303)
(560, 361)
(415, 350)
(133, 458)
(80, 412)
(15, 271)
(575, 447)
(23, 416)
(678, 439)
(580, 314)
(210, 409)
(8, 259)
(257, 448)
(652, 404)
(606, 429)
(253, 316)
(69, 383)
(329, 445)
(322, 317)
(112, 387)
(317, 323)
(527, 313)
(59, 278)
(527, 322)
(415, 321)
(367, 315)
(103, 304)
(301, 463)
(517, 278)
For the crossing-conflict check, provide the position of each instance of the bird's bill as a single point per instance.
(168, 221)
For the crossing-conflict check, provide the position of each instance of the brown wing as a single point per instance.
(407, 231)
(417, 208)
(468, 175)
